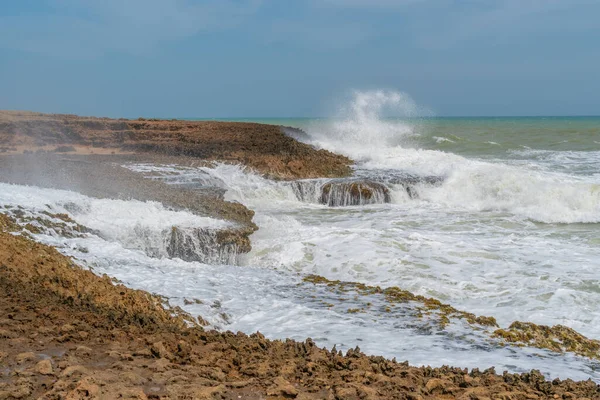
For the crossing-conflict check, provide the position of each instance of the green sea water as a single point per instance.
(569, 144)
(484, 135)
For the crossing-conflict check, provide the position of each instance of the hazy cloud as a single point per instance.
(88, 28)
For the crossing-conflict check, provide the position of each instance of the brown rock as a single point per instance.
(4, 334)
(24, 357)
(264, 148)
(20, 392)
(281, 387)
(160, 365)
(159, 350)
(345, 392)
(436, 385)
(133, 378)
(354, 192)
(86, 389)
(44, 367)
(74, 370)
(83, 351)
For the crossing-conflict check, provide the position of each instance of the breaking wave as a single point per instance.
(363, 132)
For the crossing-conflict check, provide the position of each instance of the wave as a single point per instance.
(529, 189)
(168, 234)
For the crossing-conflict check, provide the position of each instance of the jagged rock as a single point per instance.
(354, 193)
(207, 245)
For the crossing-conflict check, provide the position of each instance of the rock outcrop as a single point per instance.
(104, 177)
(264, 148)
(354, 193)
(341, 192)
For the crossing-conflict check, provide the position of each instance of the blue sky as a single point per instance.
(287, 58)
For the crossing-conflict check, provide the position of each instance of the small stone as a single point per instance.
(143, 353)
(21, 392)
(114, 354)
(159, 350)
(133, 378)
(83, 351)
(437, 385)
(4, 334)
(23, 357)
(67, 328)
(137, 394)
(86, 389)
(44, 367)
(281, 387)
(160, 365)
(74, 370)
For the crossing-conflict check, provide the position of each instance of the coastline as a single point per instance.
(68, 333)
(331, 375)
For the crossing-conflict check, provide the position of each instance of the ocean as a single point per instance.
(509, 228)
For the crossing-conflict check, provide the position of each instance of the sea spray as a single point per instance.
(382, 146)
(146, 226)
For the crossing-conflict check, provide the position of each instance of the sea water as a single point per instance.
(512, 232)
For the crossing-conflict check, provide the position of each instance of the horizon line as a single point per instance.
(407, 117)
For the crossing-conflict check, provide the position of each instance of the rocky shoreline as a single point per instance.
(67, 333)
(264, 148)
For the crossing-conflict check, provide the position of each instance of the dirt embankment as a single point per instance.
(67, 333)
(265, 148)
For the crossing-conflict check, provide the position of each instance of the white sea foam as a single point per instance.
(136, 224)
(546, 195)
(280, 304)
(515, 238)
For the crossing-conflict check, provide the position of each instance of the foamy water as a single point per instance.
(510, 231)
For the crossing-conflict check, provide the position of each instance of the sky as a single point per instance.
(298, 58)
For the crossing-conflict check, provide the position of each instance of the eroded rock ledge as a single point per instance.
(264, 148)
(67, 333)
(104, 177)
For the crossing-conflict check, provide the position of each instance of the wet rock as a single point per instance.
(207, 245)
(354, 193)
